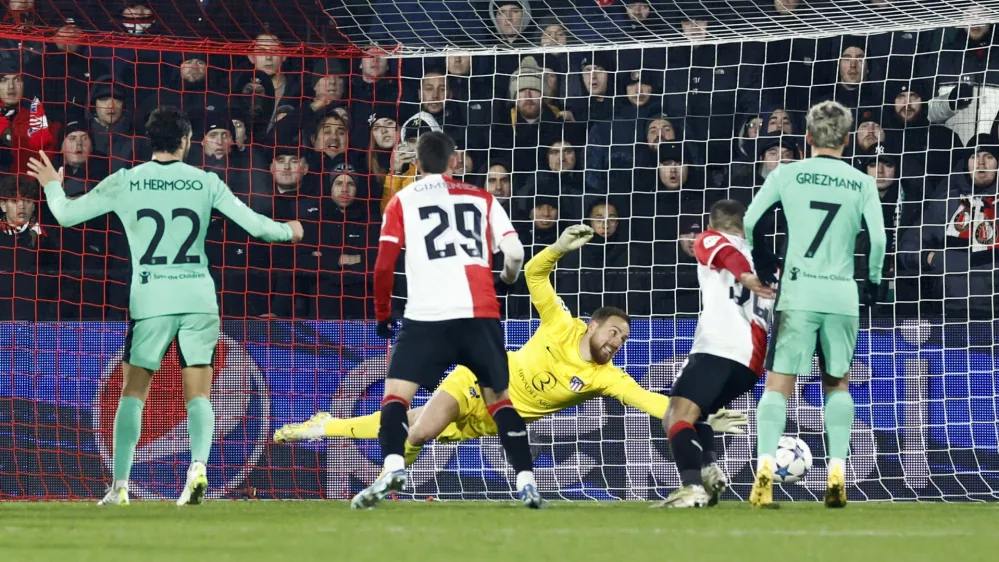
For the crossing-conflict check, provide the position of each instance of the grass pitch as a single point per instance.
(484, 532)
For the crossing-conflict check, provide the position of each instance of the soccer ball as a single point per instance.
(794, 459)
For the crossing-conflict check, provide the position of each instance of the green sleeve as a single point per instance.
(94, 203)
(253, 223)
(767, 197)
(876, 231)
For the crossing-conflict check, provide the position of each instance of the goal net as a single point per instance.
(633, 117)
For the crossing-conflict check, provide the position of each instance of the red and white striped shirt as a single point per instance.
(733, 322)
(450, 231)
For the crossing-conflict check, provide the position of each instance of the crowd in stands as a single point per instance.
(637, 142)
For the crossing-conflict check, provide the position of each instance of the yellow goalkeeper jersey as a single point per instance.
(548, 375)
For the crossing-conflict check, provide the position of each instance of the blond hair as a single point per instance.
(828, 123)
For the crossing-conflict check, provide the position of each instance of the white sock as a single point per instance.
(833, 463)
(121, 484)
(524, 478)
(394, 462)
(765, 458)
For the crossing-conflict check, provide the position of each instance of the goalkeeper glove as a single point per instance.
(728, 421)
(386, 329)
(572, 238)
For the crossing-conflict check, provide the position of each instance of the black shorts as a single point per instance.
(712, 382)
(425, 350)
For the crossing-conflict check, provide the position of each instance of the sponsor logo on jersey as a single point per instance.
(576, 384)
(796, 272)
(144, 277)
(543, 381)
(710, 241)
(242, 409)
(166, 185)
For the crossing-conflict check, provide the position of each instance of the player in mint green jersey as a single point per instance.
(165, 206)
(826, 202)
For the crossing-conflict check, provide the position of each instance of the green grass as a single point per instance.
(480, 532)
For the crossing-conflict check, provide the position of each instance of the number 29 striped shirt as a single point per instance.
(450, 231)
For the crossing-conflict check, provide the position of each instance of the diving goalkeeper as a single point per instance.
(826, 201)
(565, 363)
(165, 206)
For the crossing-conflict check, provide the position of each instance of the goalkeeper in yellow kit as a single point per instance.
(566, 362)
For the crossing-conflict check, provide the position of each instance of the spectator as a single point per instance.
(27, 281)
(531, 123)
(110, 121)
(329, 141)
(927, 148)
(595, 101)
(337, 254)
(403, 160)
(512, 26)
(469, 107)
(19, 138)
(67, 72)
(957, 239)
(541, 227)
(604, 261)
(384, 138)
(869, 131)
(664, 223)
(267, 59)
(966, 79)
(658, 129)
(852, 88)
(499, 184)
(374, 87)
(562, 175)
(610, 151)
(712, 85)
(192, 87)
(269, 293)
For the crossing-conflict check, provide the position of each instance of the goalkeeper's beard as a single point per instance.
(600, 354)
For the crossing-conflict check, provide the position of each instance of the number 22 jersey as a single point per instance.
(450, 231)
(734, 322)
(165, 208)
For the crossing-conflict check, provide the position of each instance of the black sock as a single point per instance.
(706, 436)
(686, 452)
(513, 435)
(394, 426)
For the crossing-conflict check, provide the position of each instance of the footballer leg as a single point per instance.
(771, 421)
(197, 339)
(485, 355)
(687, 452)
(837, 343)
(715, 480)
(322, 425)
(392, 435)
(201, 427)
(838, 414)
(127, 427)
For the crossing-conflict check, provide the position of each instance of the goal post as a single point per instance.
(630, 116)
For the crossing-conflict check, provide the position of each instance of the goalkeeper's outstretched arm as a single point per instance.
(537, 272)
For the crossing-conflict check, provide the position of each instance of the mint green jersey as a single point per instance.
(825, 202)
(165, 209)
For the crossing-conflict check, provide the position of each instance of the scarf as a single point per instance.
(974, 220)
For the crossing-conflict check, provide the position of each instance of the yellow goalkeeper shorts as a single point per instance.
(473, 420)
